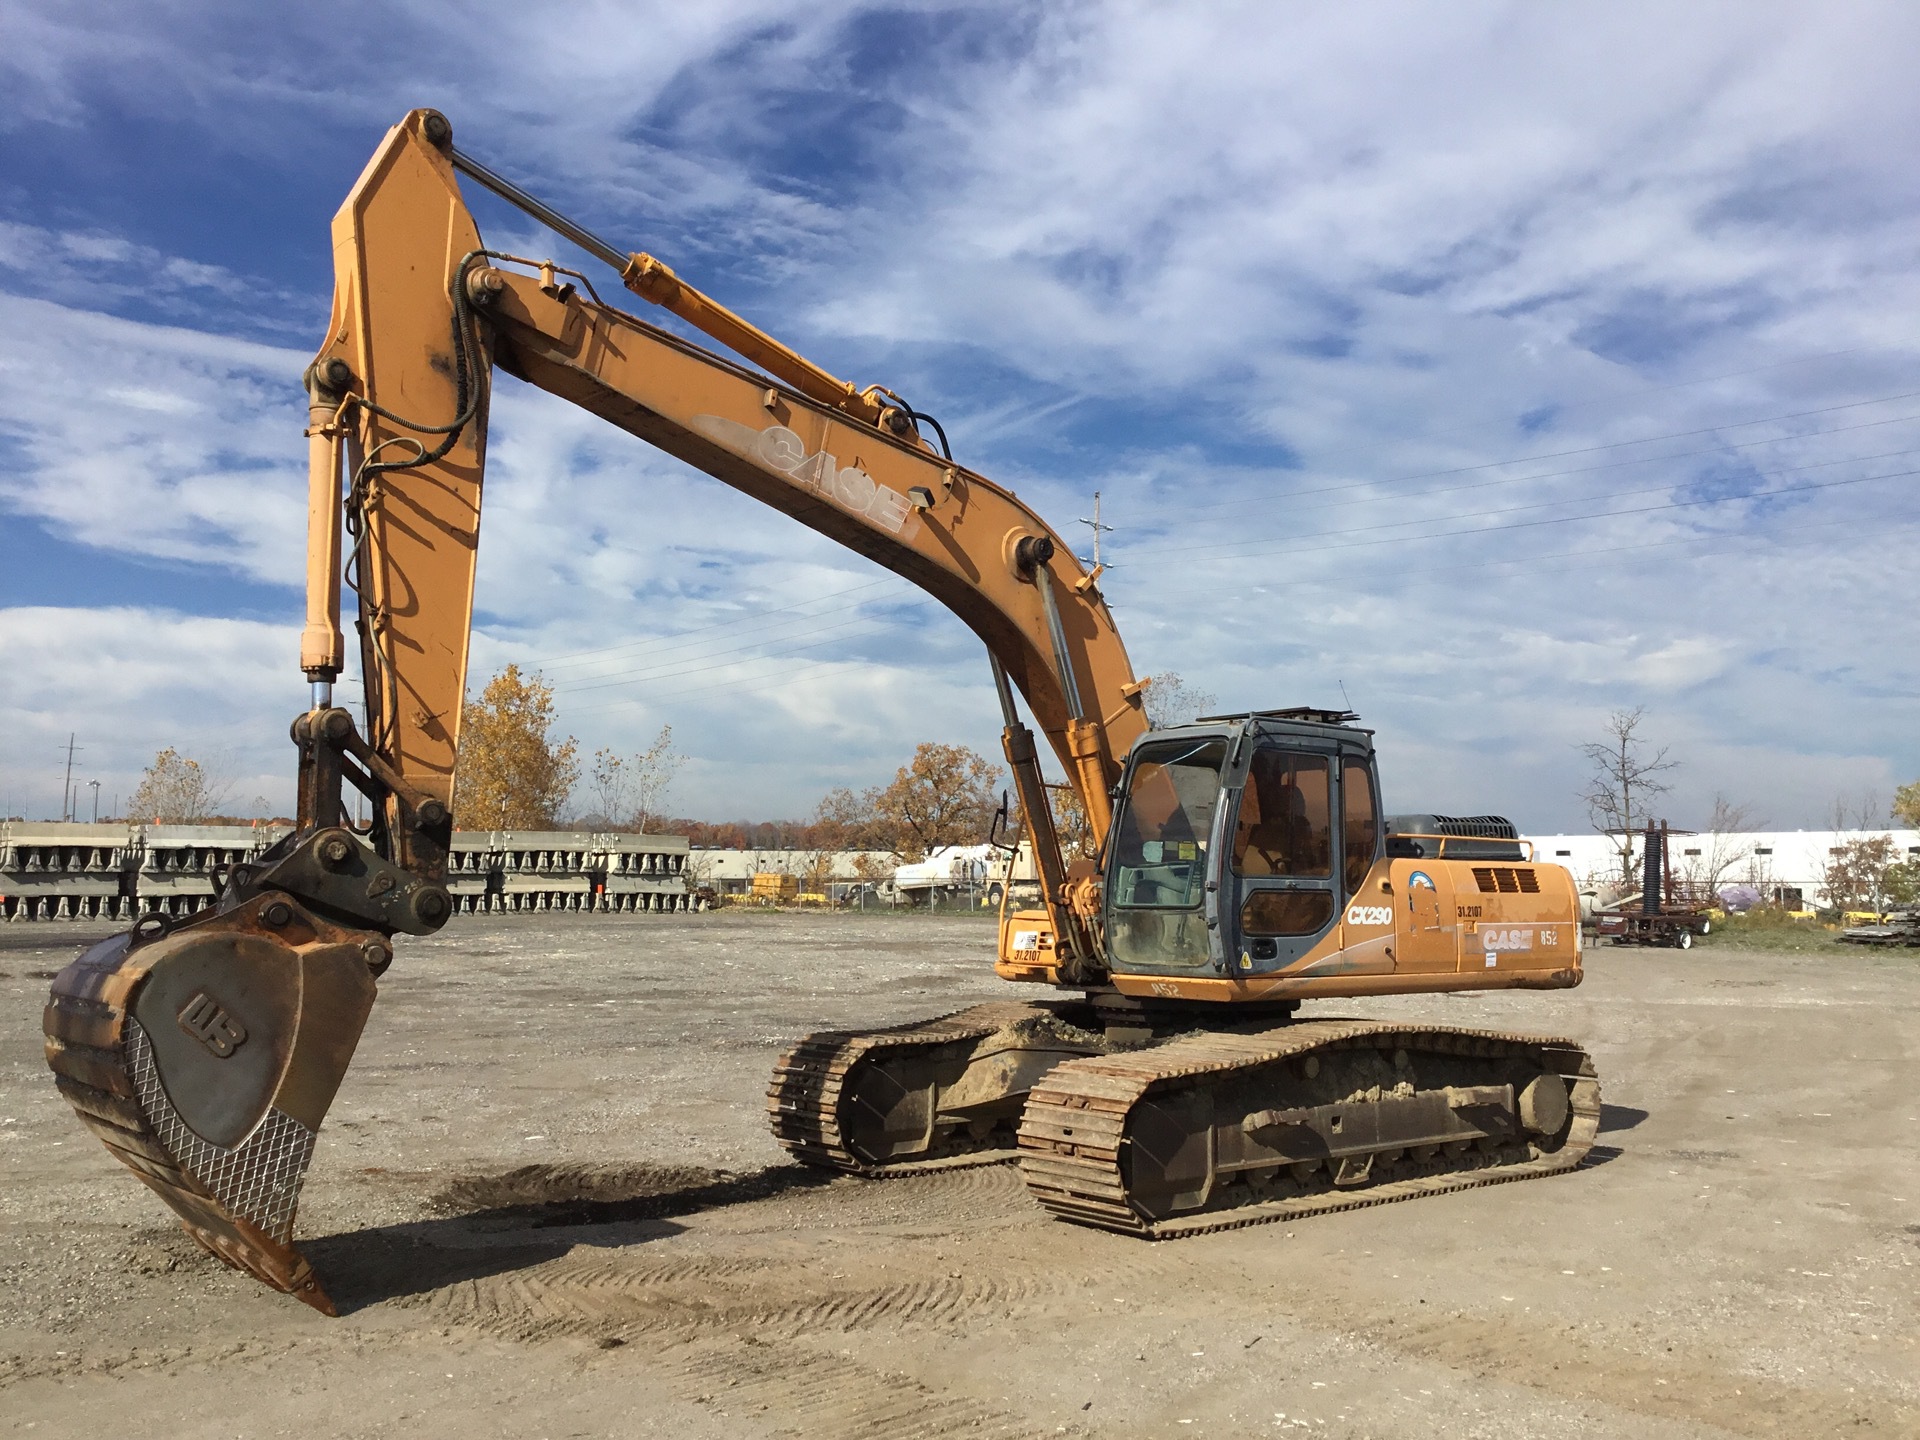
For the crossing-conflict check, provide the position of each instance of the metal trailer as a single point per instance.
(1670, 910)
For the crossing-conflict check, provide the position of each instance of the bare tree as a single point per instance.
(176, 790)
(612, 789)
(632, 789)
(1727, 847)
(1864, 812)
(1625, 780)
(1171, 701)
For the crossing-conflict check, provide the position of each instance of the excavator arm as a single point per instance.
(206, 1053)
(423, 311)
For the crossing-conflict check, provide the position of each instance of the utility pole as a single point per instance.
(1097, 528)
(66, 785)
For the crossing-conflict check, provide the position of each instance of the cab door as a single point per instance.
(1367, 913)
(1281, 877)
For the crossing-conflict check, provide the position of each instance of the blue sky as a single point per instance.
(1501, 364)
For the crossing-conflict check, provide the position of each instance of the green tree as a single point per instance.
(1857, 872)
(1903, 884)
(1906, 805)
(513, 772)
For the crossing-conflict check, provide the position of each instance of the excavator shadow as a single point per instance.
(524, 1217)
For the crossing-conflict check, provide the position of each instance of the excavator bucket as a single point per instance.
(206, 1055)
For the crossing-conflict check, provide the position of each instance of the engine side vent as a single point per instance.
(1505, 880)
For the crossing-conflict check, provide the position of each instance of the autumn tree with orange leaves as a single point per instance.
(513, 773)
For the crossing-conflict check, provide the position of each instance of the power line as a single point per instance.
(1577, 470)
(716, 625)
(1522, 563)
(751, 686)
(667, 672)
(1579, 450)
(675, 673)
(1219, 550)
(1533, 561)
(1602, 515)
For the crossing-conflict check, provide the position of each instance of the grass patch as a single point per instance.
(1775, 930)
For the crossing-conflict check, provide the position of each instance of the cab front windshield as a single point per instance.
(1157, 872)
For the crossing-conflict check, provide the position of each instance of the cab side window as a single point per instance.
(1360, 824)
(1285, 823)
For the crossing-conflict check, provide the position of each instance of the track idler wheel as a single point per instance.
(206, 1056)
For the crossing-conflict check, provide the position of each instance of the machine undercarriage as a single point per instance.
(1171, 1121)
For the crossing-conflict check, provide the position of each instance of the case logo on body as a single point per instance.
(1500, 939)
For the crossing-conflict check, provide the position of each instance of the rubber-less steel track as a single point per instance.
(809, 1084)
(1073, 1133)
(241, 1204)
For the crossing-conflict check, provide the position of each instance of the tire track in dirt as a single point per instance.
(1690, 1387)
(765, 1285)
(611, 1299)
(802, 1391)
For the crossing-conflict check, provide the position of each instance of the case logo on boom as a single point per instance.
(782, 450)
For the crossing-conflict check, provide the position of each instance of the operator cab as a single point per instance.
(1238, 841)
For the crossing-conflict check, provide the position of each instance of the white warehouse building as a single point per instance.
(1767, 860)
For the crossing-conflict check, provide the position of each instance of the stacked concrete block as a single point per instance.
(121, 872)
(55, 871)
(182, 867)
(545, 869)
(643, 873)
(472, 878)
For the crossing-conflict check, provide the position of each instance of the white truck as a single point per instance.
(968, 874)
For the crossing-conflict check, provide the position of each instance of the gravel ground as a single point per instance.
(548, 1205)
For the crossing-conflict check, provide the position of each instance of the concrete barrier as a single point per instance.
(56, 871)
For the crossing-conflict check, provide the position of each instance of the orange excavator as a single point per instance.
(1241, 865)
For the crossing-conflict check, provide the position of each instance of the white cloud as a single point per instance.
(132, 681)
(1257, 274)
(152, 440)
